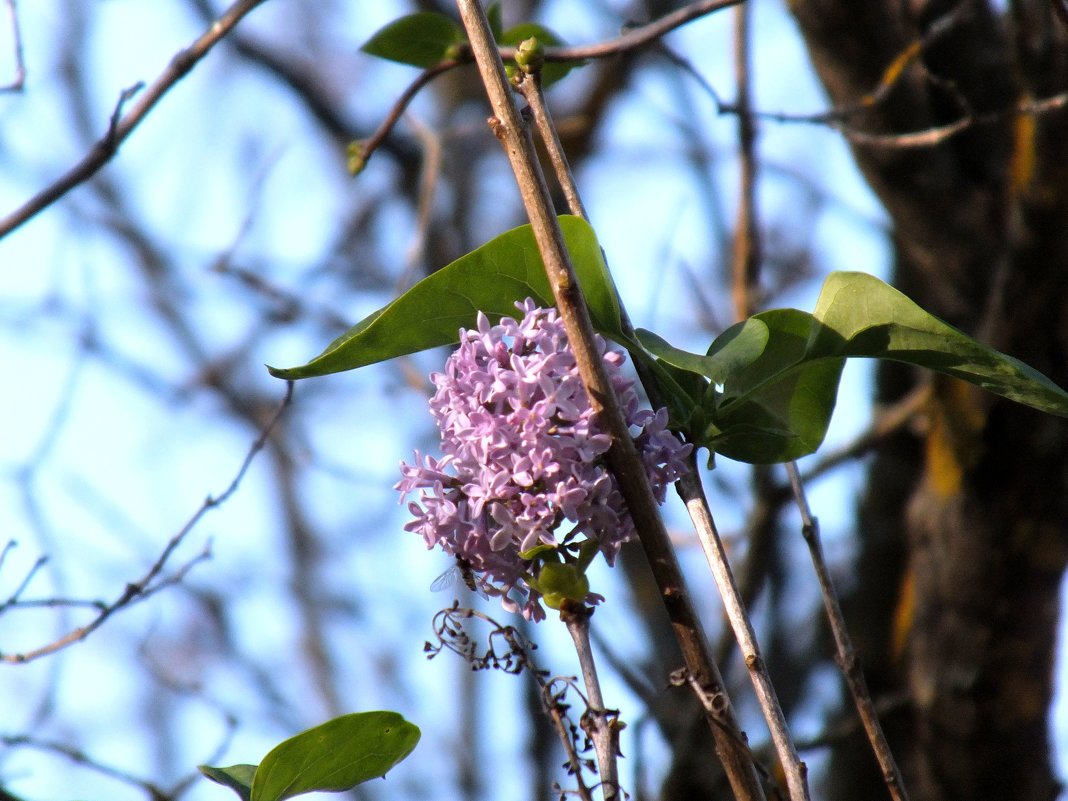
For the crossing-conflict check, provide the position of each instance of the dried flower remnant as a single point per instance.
(522, 462)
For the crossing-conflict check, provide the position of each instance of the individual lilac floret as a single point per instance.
(522, 461)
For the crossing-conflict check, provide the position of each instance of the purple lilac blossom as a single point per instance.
(522, 460)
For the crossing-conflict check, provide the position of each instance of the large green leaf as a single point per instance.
(490, 279)
(862, 316)
(777, 407)
(335, 756)
(421, 39)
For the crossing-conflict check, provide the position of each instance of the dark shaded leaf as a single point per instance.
(777, 407)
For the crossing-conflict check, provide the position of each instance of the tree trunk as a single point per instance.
(965, 525)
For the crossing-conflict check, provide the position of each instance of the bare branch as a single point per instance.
(604, 724)
(360, 151)
(634, 39)
(122, 126)
(151, 582)
(846, 655)
(689, 488)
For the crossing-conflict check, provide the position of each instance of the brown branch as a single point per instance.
(745, 256)
(80, 757)
(150, 582)
(123, 124)
(845, 653)
(837, 117)
(360, 152)
(635, 38)
(531, 89)
(622, 458)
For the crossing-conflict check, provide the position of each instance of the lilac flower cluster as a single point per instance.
(523, 453)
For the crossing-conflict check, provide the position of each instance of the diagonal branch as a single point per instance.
(151, 582)
(123, 124)
(622, 458)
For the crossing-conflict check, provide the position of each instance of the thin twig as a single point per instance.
(515, 658)
(361, 151)
(604, 725)
(845, 654)
(122, 126)
(745, 256)
(150, 582)
(622, 457)
(18, 83)
(794, 769)
(635, 38)
(530, 88)
(80, 757)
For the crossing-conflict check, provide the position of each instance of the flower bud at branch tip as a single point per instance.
(530, 56)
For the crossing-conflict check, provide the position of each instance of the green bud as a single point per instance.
(559, 582)
(355, 157)
(530, 56)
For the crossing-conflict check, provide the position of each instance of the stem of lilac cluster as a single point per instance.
(623, 460)
(794, 769)
(604, 725)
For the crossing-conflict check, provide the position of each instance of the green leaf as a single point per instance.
(237, 777)
(552, 71)
(335, 756)
(490, 279)
(778, 406)
(862, 316)
(736, 348)
(422, 39)
(493, 16)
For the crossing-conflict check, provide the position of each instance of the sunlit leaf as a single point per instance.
(490, 279)
(778, 407)
(862, 316)
(335, 756)
(421, 39)
(237, 777)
